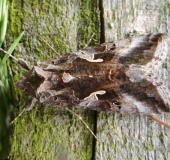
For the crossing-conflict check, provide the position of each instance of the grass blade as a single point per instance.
(12, 47)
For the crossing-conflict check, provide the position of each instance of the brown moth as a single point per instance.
(117, 77)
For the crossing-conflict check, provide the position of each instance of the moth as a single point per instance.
(118, 77)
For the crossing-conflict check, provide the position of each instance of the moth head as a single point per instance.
(30, 82)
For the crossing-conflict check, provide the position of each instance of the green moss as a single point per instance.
(166, 7)
(161, 138)
(51, 133)
(125, 139)
(130, 34)
(89, 17)
(148, 145)
(139, 158)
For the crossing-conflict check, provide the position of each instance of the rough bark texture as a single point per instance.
(129, 136)
(68, 25)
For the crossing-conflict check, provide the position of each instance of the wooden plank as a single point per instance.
(134, 136)
(66, 25)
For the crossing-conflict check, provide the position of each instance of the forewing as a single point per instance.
(114, 77)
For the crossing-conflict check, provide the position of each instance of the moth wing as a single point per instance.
(125, 91)
(137, 100)
(165, 94)
(141, 49)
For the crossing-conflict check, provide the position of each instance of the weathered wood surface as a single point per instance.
(67, 25)
(128, 136)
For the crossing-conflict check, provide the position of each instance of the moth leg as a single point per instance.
(27, 108)
(48, 44)
(31, 105)
(17, 117)
(159, 121)
(23, 64)
(88, 41)
(83, 123)
(20, 61)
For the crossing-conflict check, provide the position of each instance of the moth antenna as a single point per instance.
(27, 108)
(18, 116)
(8, 54)
(48, 44)
(83, 123)
(20, 61)
(89, 41)
(31, 104)
(159, 121)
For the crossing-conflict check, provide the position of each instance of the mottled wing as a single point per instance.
(137, 86)
(115, 77)
(141, 49)
(144, 87)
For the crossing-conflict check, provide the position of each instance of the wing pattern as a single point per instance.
(121, 76)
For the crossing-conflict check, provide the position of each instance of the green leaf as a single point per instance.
(12, 47)
(3, 28)
(3, 20)
(1, 9)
